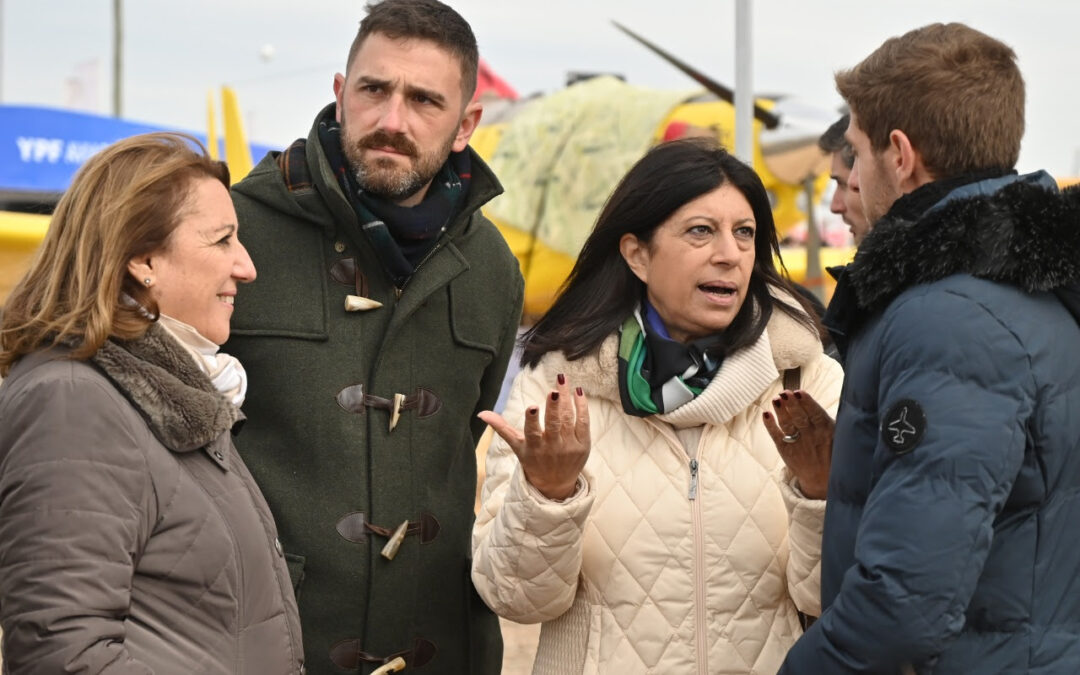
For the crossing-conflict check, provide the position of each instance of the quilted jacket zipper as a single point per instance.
(701, 640)
(698, 533)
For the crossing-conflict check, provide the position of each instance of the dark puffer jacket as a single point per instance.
(955, 489)
(132, 537)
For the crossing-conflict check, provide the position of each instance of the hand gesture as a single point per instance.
(803, 434)
(553, 456)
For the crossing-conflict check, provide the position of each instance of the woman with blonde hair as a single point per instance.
(132, 537)
(665, 515)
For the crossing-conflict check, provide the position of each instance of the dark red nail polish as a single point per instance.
(579, 391)
(532, 411)
(767, 416)
(554, 396)
(783, 395)
(798, 395)
(561, 378)
(776, 403)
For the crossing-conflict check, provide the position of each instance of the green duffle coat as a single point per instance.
(318, 438)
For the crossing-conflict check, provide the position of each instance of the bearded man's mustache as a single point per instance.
(396, 142)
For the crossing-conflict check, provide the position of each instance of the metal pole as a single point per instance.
(744, 86)
(813, 280)
(118, 59)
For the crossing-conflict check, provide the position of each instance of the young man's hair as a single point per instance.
(833, 141)
(955, 92)
(423, 20)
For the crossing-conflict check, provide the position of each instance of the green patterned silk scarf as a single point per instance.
(658, 374)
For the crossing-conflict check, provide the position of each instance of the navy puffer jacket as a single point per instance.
(953, 517)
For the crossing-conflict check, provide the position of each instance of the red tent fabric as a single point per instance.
(487, 82)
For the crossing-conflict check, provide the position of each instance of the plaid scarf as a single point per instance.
(658, 374)
(401, 235)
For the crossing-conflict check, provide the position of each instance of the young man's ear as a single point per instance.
(636, 254)
(910, 171)
(470, 120)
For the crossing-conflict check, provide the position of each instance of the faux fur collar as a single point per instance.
(742, 379)
(179, 403)
(1024, 235)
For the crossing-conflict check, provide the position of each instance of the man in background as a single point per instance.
(845, 202)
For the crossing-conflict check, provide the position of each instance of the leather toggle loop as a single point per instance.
(355, 527)
(347, 654)
(346, 273)
(424, 401)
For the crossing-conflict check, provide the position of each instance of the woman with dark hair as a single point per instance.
(666, 515)
(132, 537)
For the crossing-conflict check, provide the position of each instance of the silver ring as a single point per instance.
(791, 438)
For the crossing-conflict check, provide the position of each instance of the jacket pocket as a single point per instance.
(477, 318)
(289, 297)
(295, 564)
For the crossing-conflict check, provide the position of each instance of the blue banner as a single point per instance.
(41, 148)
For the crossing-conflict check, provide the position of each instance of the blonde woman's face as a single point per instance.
(194, 279)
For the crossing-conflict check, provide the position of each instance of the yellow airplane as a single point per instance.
(560, 156)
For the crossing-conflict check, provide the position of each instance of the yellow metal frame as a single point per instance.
(20, 236)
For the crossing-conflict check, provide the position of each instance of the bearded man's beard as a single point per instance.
(384, 177)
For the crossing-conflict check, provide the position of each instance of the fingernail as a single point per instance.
(579, 391)
(532, 411)
(767, 416)
(776, 402)
(554, 396)
(783, 395)
(561, 378)
(798, 395)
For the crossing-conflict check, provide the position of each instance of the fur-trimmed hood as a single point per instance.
(1024, 235)
(180, 405)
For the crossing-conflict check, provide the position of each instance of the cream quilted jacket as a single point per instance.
(639, 572)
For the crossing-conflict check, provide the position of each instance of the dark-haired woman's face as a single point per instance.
(697, 267)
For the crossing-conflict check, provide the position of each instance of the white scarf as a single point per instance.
(225, 371)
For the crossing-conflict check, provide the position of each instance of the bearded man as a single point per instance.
(384, 316)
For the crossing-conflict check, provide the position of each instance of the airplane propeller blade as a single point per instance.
(766, 117)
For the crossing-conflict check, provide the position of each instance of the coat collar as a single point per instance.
(304, 185)
(178, 402)
(1022, 232)
(483, 187)
(742, 379)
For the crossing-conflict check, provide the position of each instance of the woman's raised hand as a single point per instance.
(552, 456)
(803, 434)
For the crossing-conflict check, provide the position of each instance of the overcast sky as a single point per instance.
(175, 52)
